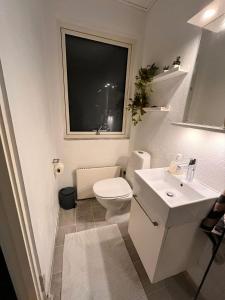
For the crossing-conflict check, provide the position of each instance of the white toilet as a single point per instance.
(115, 194)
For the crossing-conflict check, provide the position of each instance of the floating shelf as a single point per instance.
(199, 126)
(175, 72)
(158, 109)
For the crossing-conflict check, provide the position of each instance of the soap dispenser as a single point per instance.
(173, 167)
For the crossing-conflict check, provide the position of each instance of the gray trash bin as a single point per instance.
(67, 198)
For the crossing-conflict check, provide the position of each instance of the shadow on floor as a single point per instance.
(6, 287)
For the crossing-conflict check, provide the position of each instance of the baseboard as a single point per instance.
(190, 281)
(50, 297)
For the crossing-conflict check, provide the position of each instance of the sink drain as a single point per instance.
(170, 194)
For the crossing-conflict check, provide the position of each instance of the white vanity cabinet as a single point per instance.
(146, 237)
(163, 251)
(164, 246)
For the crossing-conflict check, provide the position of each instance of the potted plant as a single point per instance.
(177, 62)
(143, 88)
(166, 68)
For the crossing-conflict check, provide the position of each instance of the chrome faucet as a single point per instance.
(191, 170)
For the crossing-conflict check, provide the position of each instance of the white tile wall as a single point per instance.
(167, 36)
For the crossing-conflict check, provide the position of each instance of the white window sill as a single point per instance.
(95, 137)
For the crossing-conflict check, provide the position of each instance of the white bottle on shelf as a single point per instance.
(173, 167)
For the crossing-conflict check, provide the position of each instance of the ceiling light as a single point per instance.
(217, 25)
(223, 25)
(208, 14)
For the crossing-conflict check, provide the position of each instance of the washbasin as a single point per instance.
(171, 199)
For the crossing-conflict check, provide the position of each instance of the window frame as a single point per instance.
(109, 39)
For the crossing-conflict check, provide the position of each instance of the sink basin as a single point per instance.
(170, 199)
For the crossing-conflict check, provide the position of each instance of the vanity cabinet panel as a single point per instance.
(146, 237)
(164, 220)
(150, 202)
(175, 251)
(163, 251)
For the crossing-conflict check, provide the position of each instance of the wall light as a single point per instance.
(223, 25)
(208, 14)
(217, 25)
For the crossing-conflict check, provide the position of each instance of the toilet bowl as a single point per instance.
(115, 194)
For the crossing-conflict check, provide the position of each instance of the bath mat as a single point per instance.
(97, 266)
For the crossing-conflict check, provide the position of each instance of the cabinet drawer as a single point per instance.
(150, 201)
(146, 236)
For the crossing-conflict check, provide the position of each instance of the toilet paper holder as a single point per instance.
(55, 160)
(58, 166)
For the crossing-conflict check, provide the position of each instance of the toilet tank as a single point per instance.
(138, 160)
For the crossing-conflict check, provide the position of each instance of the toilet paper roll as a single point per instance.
(58, 168)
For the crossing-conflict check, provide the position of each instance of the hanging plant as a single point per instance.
(142, 91)
(177, 62)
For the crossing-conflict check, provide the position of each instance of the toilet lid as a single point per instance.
(112, 188)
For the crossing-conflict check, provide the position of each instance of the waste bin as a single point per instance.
(67, 198)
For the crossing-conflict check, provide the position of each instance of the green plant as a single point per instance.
(177, 61)
(143, 88)
(166, 68)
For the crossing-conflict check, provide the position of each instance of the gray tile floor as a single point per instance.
(90, 214)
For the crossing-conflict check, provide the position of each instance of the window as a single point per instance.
(96, 76)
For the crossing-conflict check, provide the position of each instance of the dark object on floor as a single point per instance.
(214, 227)
(216, 248)
(6, 287)
(67, 198)
(214, 215)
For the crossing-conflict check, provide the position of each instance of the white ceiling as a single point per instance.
(140, 4)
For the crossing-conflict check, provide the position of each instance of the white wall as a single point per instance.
(167, 36)
(207, 101)
(104, 16)
(31, 59)
(23, 60)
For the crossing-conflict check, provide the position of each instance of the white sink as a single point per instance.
(170, 199)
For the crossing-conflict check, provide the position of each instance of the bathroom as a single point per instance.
(34, 116)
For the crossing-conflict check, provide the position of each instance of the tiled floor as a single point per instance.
(89, 214)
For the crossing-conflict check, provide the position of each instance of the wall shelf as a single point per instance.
(157, 109)
(199, 126)
(173, 73)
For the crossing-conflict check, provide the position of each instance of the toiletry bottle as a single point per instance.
(174, 164)
(191, 169)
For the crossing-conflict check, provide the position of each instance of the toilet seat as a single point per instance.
(124, 198)
(113, 188)
(115, 194)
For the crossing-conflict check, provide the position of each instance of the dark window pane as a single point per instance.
(96, 74)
